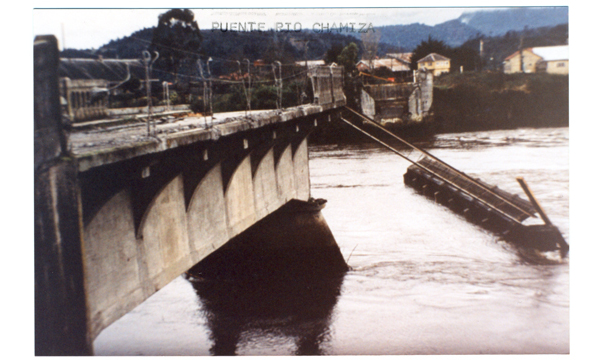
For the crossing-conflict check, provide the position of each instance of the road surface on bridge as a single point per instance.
(98, 145)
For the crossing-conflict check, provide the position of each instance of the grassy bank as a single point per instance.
(487, 101)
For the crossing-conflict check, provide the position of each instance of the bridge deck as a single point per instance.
(516, 207)
(100, 144)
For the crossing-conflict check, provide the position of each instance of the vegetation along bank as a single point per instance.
(487, 101)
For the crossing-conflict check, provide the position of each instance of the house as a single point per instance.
(553, 59)
(437, 64)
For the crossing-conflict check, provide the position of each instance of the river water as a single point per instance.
(422, 280)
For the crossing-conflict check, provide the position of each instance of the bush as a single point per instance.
(197, 105)
(174, 98)
(264, 97)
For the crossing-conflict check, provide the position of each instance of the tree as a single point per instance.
(177, 38)
(332, 53)
(466, 57)
(348, 57)
(370, 41)
(278, 48)
(427, 47)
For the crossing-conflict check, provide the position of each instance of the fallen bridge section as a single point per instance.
(512, 207)
(479, 202)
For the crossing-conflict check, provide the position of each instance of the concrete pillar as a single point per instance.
(60, 304)
(239, 199)
(207, 218)
(284, 169)
(164, 234)
(301, 171)
(265, 195)
(115, 266)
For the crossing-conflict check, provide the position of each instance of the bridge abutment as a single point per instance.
(60, 303)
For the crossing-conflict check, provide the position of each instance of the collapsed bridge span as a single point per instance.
(481, 203)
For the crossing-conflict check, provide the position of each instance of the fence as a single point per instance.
(260, 86)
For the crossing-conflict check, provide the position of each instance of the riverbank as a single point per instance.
(473, 101)
(493, 101)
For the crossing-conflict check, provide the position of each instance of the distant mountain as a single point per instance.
(474, 24)
(453, 33)
(498, 22)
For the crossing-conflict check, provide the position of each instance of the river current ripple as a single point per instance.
(422, 280)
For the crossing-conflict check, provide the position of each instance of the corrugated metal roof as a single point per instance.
(403, 57)
(433, 57)
(560, 52)
(392, 64)
(310, 63)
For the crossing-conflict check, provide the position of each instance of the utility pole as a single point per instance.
(305, 52)
(480, 55)
(521, 63)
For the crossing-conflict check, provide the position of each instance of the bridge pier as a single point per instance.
(295, 237)
(286, 267)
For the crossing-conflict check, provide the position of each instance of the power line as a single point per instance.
(204, 54)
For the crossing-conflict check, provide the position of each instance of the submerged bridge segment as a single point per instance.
(120, 214)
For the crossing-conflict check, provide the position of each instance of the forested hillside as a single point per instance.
(461, 37)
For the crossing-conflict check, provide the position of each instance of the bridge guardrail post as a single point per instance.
(332, 84)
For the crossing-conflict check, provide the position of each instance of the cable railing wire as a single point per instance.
(254, 75)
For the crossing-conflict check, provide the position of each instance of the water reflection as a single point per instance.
(259, 304)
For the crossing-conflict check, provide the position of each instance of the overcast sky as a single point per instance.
(92, 28)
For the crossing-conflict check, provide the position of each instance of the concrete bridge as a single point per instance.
(120, 213)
